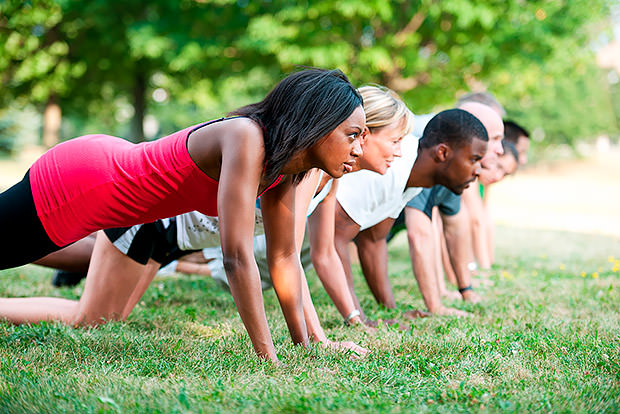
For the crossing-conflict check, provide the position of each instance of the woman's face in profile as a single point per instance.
(339, 151)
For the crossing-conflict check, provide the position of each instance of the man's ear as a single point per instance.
(442, 152)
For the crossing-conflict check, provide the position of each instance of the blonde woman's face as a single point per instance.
(381, 147)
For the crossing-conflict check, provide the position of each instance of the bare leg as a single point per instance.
(195, 257)
(193, 268)
(73, 258)
(353, 253)
(112, 279)
(34, 310)
(148, 274)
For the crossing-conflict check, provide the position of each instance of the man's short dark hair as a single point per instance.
(512, 132)
(454, 127)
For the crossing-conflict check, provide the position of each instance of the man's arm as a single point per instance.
(475, 209)
(456, 231)
(421, 249)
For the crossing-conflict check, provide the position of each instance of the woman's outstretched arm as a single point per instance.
(239, 180)
(278, 209)
(304, 192)
(325, 259)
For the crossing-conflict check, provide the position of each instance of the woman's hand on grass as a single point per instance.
(354, 350)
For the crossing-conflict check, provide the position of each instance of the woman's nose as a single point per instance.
(357, 148)
(398, 152)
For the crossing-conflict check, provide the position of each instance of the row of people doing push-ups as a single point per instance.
(198, 188)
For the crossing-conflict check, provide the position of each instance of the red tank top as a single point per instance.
(97, 182)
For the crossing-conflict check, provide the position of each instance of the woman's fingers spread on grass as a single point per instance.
(354, 350)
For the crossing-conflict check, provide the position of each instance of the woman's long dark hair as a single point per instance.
(300, 110)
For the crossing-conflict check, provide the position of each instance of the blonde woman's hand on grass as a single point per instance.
(354, 350)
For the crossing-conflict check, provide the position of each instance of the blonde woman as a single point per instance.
(388, 120)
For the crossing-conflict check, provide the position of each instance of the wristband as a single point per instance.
(353, 314)
(466, 288)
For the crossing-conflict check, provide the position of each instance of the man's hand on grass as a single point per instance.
(471, 296)
(446, 311)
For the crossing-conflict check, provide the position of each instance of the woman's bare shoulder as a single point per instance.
(237, 140)
(244, 130)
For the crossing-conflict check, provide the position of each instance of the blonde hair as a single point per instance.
(384, 107)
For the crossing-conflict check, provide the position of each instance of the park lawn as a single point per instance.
(546, 338)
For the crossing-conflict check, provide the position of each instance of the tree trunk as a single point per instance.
(139, 105)
(52, 118)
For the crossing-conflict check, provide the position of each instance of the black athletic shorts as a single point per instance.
(24, 238)
(157, 241)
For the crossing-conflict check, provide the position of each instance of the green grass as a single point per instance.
(546, 339)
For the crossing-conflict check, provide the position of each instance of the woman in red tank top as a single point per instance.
(312, 118)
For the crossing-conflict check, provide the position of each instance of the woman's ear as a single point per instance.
(364, 136)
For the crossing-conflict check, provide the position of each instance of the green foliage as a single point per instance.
(569, 109)
(210, 57)
(544, 339)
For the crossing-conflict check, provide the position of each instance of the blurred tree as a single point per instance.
(33, 59)
(431, 52)
(188, 60)
(105, 59)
